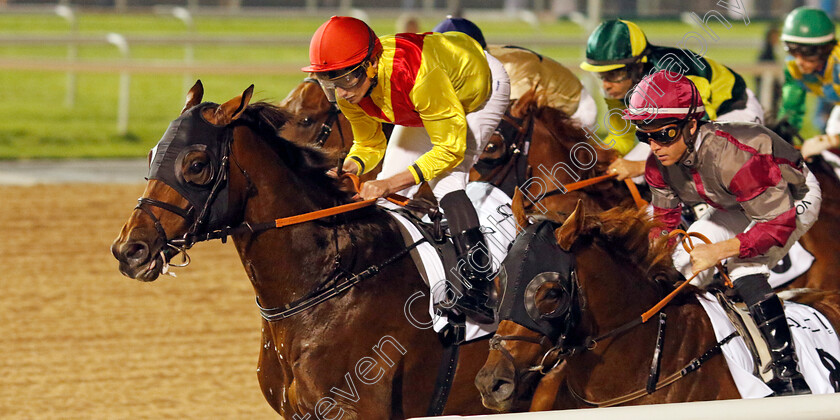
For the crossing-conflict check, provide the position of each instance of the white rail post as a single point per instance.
(311, 6)
(185, 16)
(72, 52)
(120, 42)
(345, 5)
(765, 93)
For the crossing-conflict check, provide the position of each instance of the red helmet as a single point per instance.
(341, 42)
(664, 94)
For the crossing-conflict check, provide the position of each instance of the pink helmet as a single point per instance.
(664, 94)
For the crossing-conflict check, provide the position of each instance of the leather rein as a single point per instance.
(519, 148)
(180, 245)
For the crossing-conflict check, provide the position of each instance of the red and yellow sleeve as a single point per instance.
(369, 141)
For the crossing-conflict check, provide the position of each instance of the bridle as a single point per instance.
(329, 122)
(211, 214)
(197, 224)
(516, 140)
(558, 349)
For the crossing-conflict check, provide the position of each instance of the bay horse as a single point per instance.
(335, 294)
(314, 120)
(822, 240)
(597, 274)
(540, 150)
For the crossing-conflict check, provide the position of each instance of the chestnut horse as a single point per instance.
(315, 121)
(336, 339)
(592, 276)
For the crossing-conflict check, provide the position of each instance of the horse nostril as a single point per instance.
(135, 252)
(502, 389)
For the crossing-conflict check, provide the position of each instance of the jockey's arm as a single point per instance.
(766, 199)
(369, 140)
(621, 133)
(792, 106)
(632, 165)
(817, 144)
(666, 205)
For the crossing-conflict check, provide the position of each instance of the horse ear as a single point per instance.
(573, 226)
(518, 207)
(525, 105)
(229, 111)
(194, 96)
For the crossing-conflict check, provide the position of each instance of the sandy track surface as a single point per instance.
(79, 340)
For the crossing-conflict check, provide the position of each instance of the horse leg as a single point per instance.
(270, 372)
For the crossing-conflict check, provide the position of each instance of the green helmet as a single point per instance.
(806, 25)
(614, 44)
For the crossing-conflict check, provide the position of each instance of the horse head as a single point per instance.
(313, 118)
(191, 194)
(562, 284)
(539, 148)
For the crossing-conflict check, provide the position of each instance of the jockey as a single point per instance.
(555, 85)
(762, 195)
(813, 65)
(619, 53)
(445, 96)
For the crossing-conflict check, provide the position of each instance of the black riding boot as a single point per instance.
(768, 313)
(474, 261)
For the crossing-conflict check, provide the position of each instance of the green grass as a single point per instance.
(37, 124)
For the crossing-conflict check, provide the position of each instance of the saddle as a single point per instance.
(437, 259)
(436, 233)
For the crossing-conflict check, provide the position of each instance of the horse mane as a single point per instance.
(625, 232)
(566, 131)
(308, 163)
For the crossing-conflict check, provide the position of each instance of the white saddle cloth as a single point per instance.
(797, 261)
(810, 330)
(496, 218)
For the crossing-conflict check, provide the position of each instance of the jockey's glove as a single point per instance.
(816, 145)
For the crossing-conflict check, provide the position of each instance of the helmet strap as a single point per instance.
(688, 138)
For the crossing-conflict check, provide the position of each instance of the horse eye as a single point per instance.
(197, 171)
(197, 166)
(550, 300)
(490, 148)
(306, 122)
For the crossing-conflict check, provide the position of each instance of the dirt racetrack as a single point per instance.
(79, 340)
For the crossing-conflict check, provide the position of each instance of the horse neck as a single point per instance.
(283, 264)
(614, 292)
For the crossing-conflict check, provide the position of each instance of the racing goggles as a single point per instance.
(614, 76)
(807, 50)
(346, 80)
(664, 136)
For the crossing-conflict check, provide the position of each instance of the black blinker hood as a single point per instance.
(191, 132)
(534, 259)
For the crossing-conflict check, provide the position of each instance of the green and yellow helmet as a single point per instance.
(613, 45)
(807, 25)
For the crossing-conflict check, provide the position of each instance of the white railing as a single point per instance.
(768, 73)
(806, 407)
